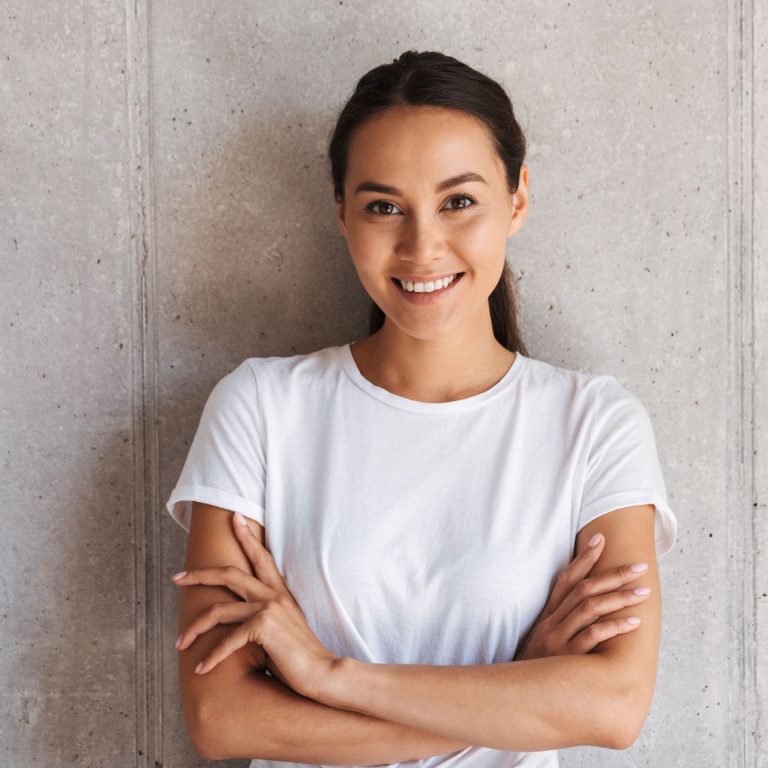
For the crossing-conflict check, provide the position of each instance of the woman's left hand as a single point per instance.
(268, 616)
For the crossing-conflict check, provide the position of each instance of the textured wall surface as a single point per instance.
(165, 213)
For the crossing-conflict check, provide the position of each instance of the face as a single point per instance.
(406, 215)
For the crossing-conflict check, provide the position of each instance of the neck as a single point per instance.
(433, 370)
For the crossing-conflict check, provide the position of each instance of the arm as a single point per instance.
(237, 711)
(600, 698)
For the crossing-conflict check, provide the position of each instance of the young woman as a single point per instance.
(397, 584)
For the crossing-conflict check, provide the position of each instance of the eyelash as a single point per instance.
(370, 206)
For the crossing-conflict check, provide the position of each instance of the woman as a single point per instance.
(405, 504)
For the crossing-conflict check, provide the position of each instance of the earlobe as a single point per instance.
(339, 210)
(340, 220)
(519, 202)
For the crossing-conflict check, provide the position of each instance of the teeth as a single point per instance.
(427, 287)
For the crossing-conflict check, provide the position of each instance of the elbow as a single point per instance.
(622, 736)
(203, 730)
(625, 729)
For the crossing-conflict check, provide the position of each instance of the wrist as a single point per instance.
(338, 682)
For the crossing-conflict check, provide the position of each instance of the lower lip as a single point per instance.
(426, 298)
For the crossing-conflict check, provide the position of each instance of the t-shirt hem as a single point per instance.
(666, 523)
(179, 505)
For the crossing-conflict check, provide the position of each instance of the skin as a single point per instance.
(444, 351)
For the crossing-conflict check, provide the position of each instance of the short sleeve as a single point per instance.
(226, 463)
(623, 467)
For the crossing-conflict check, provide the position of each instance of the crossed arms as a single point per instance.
(386, 713)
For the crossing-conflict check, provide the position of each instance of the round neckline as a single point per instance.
(349, 365)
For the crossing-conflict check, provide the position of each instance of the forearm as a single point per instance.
(538, 704)
(261, 717)
(237, 711)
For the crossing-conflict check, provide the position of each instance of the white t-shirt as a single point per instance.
(421, 533)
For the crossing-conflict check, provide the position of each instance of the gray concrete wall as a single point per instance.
(164, 213)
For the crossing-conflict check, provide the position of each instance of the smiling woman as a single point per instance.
(434, 223)
(422, 580)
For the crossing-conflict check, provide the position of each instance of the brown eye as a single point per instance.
(462, 207)
(370, 206)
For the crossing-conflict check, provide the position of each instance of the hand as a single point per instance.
(568, 622)
(268, 615)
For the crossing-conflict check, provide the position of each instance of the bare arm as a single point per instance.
(237, 711)
(599, 698)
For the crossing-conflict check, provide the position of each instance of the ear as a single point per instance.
(520, 203)
(339, 212)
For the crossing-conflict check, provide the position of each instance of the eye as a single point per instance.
(371, 206)
(462, 197)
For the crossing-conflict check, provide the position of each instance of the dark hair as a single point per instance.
(429, 78)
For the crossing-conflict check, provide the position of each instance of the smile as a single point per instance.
(427, 293)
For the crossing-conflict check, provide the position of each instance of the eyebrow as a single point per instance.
(462, 178)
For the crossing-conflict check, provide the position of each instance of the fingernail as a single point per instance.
(179, 575)
(178, 641)
(199, 667)
(642, 590)
(240, 519)
(596, 539)
(633, 620)
(638, 567)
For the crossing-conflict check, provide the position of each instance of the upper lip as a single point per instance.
(424, 278)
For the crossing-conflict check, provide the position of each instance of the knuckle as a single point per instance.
(626, 573)
(591, 604)
(593, 633)
(582, 589)
(272, 605)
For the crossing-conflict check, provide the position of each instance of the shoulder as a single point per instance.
(304, 365)
(253, 372)
(575, 389)
(583, 399)
(278, 377)
(274, 382)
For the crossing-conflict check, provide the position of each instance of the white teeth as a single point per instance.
(427, 287)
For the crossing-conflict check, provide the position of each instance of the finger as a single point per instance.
(232, 642)
(602, 583)
(217, 613)
(261, 558)
(597, 606)
(596, 633)
(574, 572)
(230, 576)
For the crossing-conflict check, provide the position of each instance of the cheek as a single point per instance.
(480, 234)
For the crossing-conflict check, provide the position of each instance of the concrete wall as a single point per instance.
(164, 213)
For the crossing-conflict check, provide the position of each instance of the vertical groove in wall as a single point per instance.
(755, 754)
(148, 619)
(742, 685)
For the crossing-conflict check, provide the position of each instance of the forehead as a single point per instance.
(421, 144)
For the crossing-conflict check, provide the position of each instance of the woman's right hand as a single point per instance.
(568, 623)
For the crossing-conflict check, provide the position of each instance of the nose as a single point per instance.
(422, 241)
